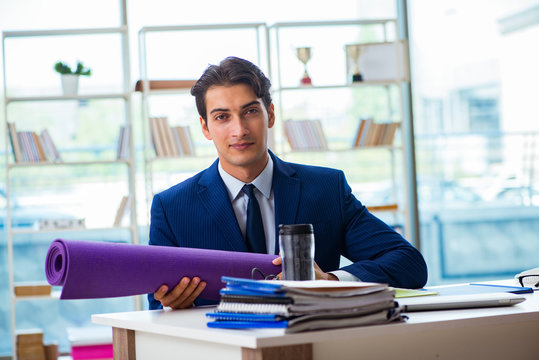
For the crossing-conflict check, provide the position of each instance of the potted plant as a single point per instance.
(70, 77)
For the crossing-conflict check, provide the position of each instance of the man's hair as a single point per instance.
(231, 71)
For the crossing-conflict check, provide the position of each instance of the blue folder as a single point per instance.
(225, 324)
(244, 317)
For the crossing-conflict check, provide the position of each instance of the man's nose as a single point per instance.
(239, 128)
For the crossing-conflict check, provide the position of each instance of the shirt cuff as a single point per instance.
(344, 275)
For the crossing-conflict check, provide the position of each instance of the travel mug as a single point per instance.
(296, 243)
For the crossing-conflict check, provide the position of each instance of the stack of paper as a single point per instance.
(302, 305)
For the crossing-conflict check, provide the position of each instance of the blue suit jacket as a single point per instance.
(197, 213)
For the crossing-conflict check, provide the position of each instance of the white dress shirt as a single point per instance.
(264, 196)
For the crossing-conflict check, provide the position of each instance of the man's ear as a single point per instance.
(271, 116)
(205, 130)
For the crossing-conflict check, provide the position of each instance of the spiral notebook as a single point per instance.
(303, 323)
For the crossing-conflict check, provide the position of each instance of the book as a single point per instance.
(51, 152)
(302, 305)
(184, 142)
(39, 147)
(166, 132)
(25, 146)
(119, 143)
(317, 321)
(309, 322)
(157, 141)
(370, 133)
(333, 305)
(359, 132)
(14, 139)
(122, 148)
(366, 129)
(305, 135)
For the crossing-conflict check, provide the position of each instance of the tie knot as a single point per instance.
(249, 190)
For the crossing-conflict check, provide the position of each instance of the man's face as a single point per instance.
(238, 124)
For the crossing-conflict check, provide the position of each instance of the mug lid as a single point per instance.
(294, 229)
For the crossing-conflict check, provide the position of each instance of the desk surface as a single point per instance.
(191, 324)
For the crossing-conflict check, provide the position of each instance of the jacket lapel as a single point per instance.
(286, 193)
(213, 194)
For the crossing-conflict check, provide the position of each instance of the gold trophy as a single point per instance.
(352, 56)
(304, 55)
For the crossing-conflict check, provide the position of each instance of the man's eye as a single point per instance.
(220, 117)
(252, 111)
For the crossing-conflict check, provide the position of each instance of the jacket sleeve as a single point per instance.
(378, 253)
(160, 234)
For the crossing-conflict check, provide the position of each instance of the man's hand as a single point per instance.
(182, 295)
(318, 273)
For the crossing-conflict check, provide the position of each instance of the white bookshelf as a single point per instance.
(126, 166)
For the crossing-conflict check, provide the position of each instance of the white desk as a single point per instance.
(490, 333)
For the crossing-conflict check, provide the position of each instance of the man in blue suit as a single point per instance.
(210, 210)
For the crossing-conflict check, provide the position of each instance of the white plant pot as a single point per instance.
(70, 84)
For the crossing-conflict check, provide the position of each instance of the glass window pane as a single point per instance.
(474, 85)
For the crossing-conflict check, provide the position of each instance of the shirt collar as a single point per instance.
(262, 182)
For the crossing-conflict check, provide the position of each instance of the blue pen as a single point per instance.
(513, 289)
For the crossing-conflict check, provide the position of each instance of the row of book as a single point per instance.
(28, 146)
(170, 141)
(305, 135)
(370, 133)
(303, 305)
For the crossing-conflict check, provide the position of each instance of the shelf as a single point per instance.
(65, 32)
(146, 29)
(54, 295)
(161, 86)
(333, 23)
(72, 229)
(67, 163)
(386, 207)
(359, 148)
(169, 158)
(124, 96)
(341, 86)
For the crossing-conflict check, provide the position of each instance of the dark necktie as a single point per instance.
(254, 233)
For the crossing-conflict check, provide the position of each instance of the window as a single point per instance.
(474, 73)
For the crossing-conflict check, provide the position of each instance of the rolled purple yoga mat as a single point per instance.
(91, 269)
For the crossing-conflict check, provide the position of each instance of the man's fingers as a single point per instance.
(160, 293)
(184, 292)
(169, 299)
(189, 301)
(277, 261)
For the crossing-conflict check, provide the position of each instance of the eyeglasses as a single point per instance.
(529, 280)
(264, 277)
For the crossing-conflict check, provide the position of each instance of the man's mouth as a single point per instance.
(241, 146)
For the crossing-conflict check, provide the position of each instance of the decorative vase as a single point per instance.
(70, 84)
